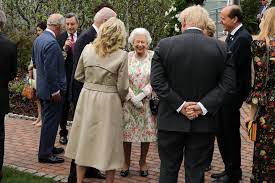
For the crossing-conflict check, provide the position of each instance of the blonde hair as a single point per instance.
(195, 16)
(267, 25)
(210, 27)
(111, 37)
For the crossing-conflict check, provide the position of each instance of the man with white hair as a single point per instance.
(191, 74)
(8, 67)
(51, 86)
(103, 13)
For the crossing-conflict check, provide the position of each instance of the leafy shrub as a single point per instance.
(250, 10)
(16, 86)
(24, 42)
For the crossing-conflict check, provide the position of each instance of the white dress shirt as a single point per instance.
(49, 30)
(74, 35)
(96, 29)
(235, 30)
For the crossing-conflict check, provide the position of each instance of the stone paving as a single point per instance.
(22, 140)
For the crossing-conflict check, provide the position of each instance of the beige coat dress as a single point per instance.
(96, 135)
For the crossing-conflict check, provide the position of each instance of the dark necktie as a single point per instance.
(72, 39)
(229, 38)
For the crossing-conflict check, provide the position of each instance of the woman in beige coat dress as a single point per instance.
(96, 135)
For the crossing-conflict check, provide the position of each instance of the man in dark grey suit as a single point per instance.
(8, 68)
(51, 86)
(192, 75)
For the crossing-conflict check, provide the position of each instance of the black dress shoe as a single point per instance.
(63, 140)
(228, 179)
(143, 173)
(50, 159)
(218, 175)
(124, 173)
(208, 168)
(58, 150)
(72, 179)
(94, 173)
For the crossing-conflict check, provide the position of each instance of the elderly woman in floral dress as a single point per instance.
(139, 124)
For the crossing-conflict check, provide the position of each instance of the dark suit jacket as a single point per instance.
(69, 57)
(49, 62)
(8, 68)
(85, 38)
(241, 54)
(190, 67)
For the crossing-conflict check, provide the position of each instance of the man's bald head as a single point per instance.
(56, 19)
(231, 17)
(103, 15)
(233, 11)
(56, 23)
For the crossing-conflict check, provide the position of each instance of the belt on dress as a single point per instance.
(99, 87)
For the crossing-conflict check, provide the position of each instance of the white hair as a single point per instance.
(104, 14)
(140, 31)
(56, 20)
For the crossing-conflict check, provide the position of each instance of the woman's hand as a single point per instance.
(31, 74)
(251, 114)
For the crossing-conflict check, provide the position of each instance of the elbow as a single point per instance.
(123, 93)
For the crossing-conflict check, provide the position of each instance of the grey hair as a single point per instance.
(56, 20)
(3, 19)
(104, 14)
(195, 16)
(140, 31)
(70, 15)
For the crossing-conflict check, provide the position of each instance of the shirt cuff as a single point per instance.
(204, 110)
(56, 93)
(179, 109)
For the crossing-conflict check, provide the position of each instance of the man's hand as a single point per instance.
(196, 109)
(188, 113)
(68, 44)
(56, 98)
(191, 110)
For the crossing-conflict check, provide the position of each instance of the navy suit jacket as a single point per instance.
(240, 47)
(49, 62)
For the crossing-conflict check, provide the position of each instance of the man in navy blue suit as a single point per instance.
(51, 86)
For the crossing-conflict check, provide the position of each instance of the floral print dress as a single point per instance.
(263, 95)
(139, 124)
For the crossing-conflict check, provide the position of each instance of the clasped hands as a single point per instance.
(191, 110)
(137, 100)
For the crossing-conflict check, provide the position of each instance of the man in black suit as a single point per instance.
(66, 42)
(51, 86)
(229, 141)
(85, 38)
(191, 75)
(8, 68)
